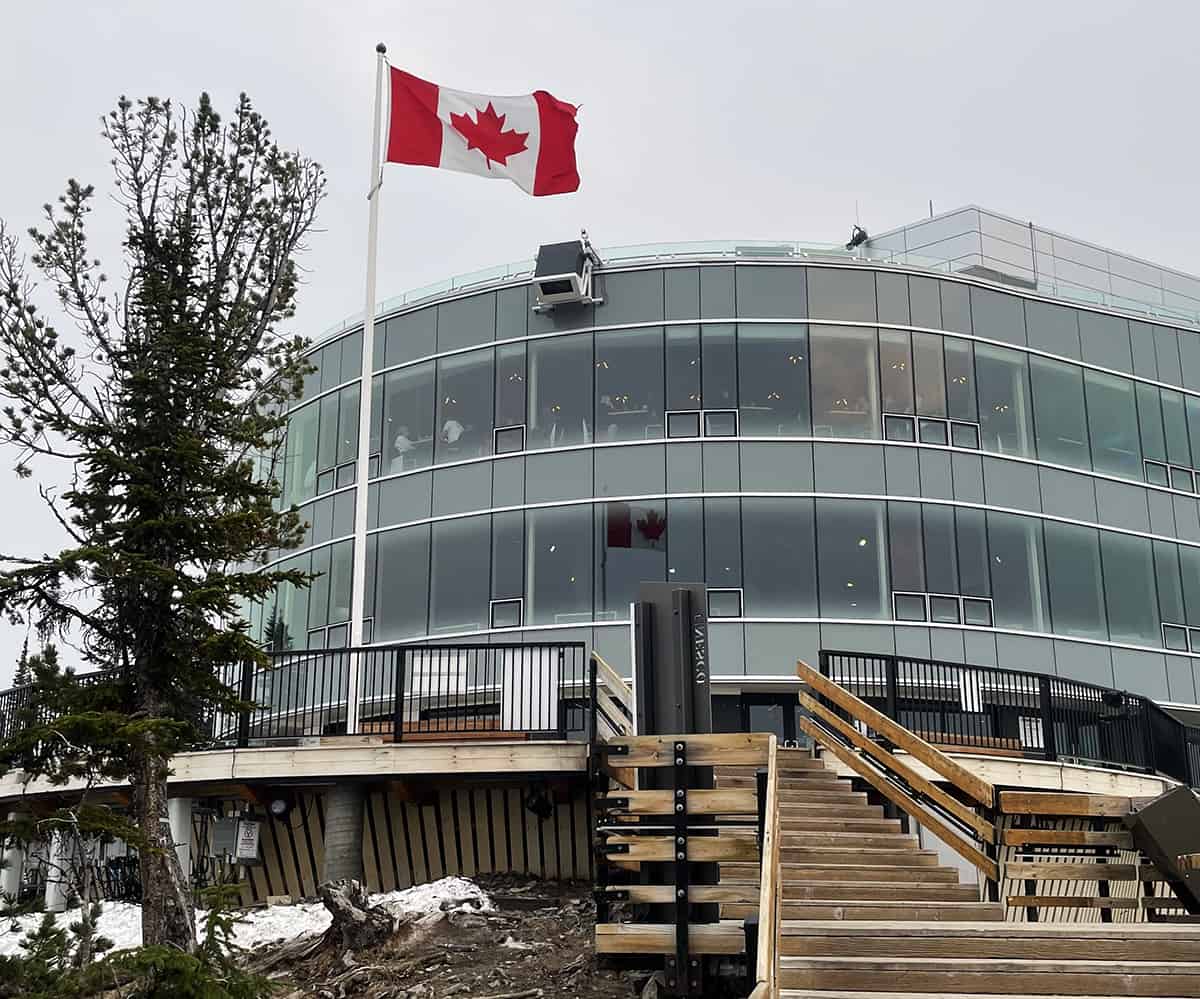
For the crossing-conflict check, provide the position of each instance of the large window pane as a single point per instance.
(559, 565)
(1004, 405)
(770, 292)
(837, 293)
(629, 385)
(896, 371)
(1175, 428)
(1192, 405)
(941, 559)
(1112, 425)
(845, 382)
(718, 366)
(891, 293)
(464, 406)
(852, 567)
(341, 580)
(778, 552)
(318, 589)
(1129, 589)
(408, 413)
(300, 475)
(683, 367)
(327, 436)
(1058, 412)
(960, 379)
(1189, 570)
(773, 380)
(401, 588)
(459, 590)
(1150, 420)
(508, 555)
(685, 544)
(925, 302)
(1018, 582)
(722, 542)
(996, 316)
(347, 424)
(930, 374)
(1075, 584)
(1170, 589)
(560, 391)
(906, 548)
(631, 548)
(971, 540)
(510, 385)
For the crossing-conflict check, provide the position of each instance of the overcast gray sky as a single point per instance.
(699, 120)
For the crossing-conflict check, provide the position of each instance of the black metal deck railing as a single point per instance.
(403, 693)
(1015, 713)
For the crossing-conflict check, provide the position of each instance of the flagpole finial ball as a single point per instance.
(381, 48)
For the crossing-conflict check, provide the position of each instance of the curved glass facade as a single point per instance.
(849, 456)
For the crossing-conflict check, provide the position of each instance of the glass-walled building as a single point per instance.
(969, 440)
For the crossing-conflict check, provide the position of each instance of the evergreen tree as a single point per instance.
(159, 411)
(23, 676)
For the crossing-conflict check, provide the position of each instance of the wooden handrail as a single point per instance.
(970, 784)
(767, 959)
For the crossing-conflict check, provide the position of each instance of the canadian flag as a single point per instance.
(529, 140)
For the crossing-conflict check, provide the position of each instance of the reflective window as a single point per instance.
(956, 306)
(347, 424)
(1075, 584)
(410, 337)
(718, 366)
(685, 543)
(327, 434)
(891, 293)
(1192, 407)
(838, 293)
(1129, 588)
(905, 546)
(630, 297)
(1167, 580)
(1062, 434)
(560, 391)
(852, 565)
(930, 374)
(896, 371)
(1150, 420)
(1004, 405)
(1018, 583)
(464, 406)
(508, 555)
(779, 555)
(770, 292)
(773, 380)
(631, 548)
(925, 302)
(510, 385)
(844, 377)
(996, 316)
(941, 557)
(722, 542)
(318, 589)
(408, 418)
(960, 379)
(1175, 428)
(458, 586)
(1189, 571)
(300, 455)
(629, 385)
(558, 564)
(466, 322)
(1112, 424)
(341, 580)
(971, 543)
(683, 367)
(1053, 328)
(402, 583)
(681, 292)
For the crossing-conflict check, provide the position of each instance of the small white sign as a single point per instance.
(247, 842)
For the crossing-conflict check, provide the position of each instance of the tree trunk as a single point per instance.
(356, 926)
(345, 810)
(168, 915)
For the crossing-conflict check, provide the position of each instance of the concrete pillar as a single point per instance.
(179, 816)
(13, 866)
(58, 886)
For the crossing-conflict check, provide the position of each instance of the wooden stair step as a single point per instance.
(1031, 941)
(836, 823)
(800, 780)
(889, 909)
(976, 976)
(842, 806)
(799, 873)
(864, 855)
(880, 890)
(849, 838)
(835, 796)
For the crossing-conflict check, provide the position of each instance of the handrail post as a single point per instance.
(398, 697)
(245, 694)
(1049, 743)
(890, 683)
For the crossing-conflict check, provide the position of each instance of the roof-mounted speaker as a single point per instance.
(563, 274)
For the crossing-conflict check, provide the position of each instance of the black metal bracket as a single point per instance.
(611, 895)
(612, 849)
(684, 975)
(610, 804)
(613, 749)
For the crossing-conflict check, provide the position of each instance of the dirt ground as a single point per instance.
(538, 942)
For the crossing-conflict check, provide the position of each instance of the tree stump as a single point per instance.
(356, 925)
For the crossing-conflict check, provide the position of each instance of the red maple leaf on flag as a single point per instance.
(487, 134)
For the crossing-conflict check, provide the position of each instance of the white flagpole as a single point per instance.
(359, 590)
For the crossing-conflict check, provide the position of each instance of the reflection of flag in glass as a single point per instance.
(633, 526)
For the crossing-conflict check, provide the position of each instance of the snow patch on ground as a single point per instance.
(121, 922)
